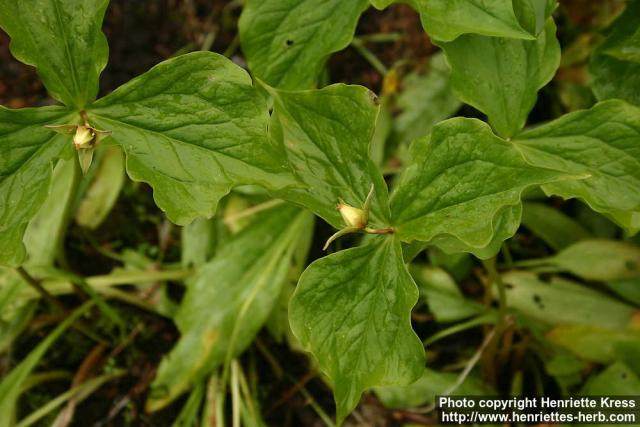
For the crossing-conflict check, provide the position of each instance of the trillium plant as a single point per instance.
(199, 126)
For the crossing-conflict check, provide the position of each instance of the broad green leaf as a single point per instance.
(198, 242)
(352, 311)
(425, 100)
(603, 260)
(193, 127)
(592, 343)
(599, 225)
(11, 385)
(28, 152)
(287, 42)
(628, 352)
(327, 134)
(43, 239)
(462, 190)
(229, 300)
(533, 14)
(628, 289)
(616, 380)
(445, 20)
(104, 190)
(445, 300)
(547, 302)
(504, 226)
(615, 65)
(563, 364)
(63, 40)
(459, 265)
(45, 233)
(429, 386)
(603, 141)
(500, 76)
(551, 225)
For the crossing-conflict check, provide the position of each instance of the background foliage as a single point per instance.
(501, 153)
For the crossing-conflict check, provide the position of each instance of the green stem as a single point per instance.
(492, 348)
(483, 319)
(496, 279)
(100, 283)
(37, 286)
(78, 393)
(369, 56)
(379, 37)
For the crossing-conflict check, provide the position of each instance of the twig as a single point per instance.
(292, 391)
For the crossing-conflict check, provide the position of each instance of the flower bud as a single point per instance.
(85, 137)
(353, 217)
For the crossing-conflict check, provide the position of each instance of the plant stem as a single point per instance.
(466, 371)
(37, 285)
(495, 278)
(492, 348)
(369, 56)
(380, 37)
(388, 230)
(483, 319)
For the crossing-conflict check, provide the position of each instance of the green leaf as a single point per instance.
(445, 20)
(551, 225)
(615, 65)
(445, 300)
(429, 386)
(595, 344)
(198, 242)
(459, 265)
(462, 190)
(327, 134)
(43, 240)
(533, 14)
(286, 42)
(603, 141)
(193, 127)
(628, 289)
(63, 40)
(352, 311)
(500, 76)
(229, 300)
(547, 302)
(425, 101)
(603, 260)
(616, 380)
(28, 152)
(45, 233)
(104, 190)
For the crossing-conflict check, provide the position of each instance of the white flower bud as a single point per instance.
(85, 137)
(353, 217)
